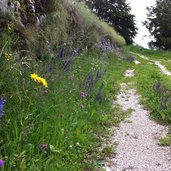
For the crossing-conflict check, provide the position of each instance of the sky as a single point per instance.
(139, 10)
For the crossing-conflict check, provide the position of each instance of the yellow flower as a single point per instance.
(8, 56)
(39, 80)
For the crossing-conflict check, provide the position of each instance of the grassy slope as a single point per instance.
(153, 54)
(161, 55)
(97, 26)
(147, 77)
(34, 117)
(67, 125)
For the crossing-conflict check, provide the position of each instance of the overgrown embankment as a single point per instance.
(57, 127)
(55, 96)
(42, 27)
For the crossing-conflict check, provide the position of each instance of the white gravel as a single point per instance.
(138, 138)
(162, 68)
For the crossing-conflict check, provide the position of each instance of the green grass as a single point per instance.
(146, 77)
(68, 125)
(166, 141)
(151, 54)
(163, 56)
(96, 27)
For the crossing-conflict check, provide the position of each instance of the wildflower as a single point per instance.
(75, 52)
(82, 106)
(43, 147)
(78, 144)
(1, 163)
(8, 56)
(2, 102)
(83, 95)
(39, 80)
(46, 91)
(61, 53)
(70, 146)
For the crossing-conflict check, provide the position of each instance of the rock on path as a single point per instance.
(137, 138)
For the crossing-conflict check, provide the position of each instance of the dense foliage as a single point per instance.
(159, 24)
(55, 97)
(117, 14)
(43, 26)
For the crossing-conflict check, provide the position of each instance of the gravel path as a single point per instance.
(138, 137)
(163, 69)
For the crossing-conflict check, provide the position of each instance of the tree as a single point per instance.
(159, 24)
(117, 14)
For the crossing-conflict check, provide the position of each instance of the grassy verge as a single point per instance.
(59, 127)
(154, 88)
(151, 54)
(163, 56)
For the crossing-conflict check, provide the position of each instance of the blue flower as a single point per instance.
(2, 102)
(75, 52)
(61, 53)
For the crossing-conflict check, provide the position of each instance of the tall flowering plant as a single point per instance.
(2, 102)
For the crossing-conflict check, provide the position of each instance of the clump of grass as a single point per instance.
(166, 141)
(108, 150)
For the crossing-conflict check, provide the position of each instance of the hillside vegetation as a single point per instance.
(56, 97)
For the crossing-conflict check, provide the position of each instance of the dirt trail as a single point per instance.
(138, 137)
(163, 69)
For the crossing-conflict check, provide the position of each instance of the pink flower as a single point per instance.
(83, 95)
(46, 92)
(1, 163)
(43, 147)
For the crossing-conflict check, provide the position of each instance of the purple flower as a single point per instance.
(75, 52)
(1, 163)
(2, 102)
(43, 147)
(61, 53)
(46, 91)
(83, 95)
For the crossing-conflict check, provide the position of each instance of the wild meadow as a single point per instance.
(54, 111)
(56, 89)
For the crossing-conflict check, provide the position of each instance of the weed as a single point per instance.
(166, 141)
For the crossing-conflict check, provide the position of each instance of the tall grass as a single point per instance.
(55, 128)
(94, 24)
